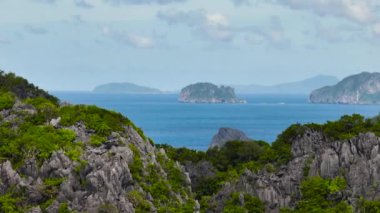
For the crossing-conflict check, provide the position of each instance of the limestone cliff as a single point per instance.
(363, 88)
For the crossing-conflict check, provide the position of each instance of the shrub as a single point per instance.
(7, 100)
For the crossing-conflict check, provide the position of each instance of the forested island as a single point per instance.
(208, 93)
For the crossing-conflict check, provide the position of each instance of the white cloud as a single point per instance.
(130, 39)
(273, 34)
(361, 11)
(214, 26)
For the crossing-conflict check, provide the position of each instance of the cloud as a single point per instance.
(83, 3)
(240, 2)
(273, 34)
(121, 2)
(4, 40)
(45, 1)
(376, 29)
(131, 39)
(35, 30)
(214, 26)
(361, 11)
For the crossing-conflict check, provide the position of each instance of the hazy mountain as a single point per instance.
(126, 87)
(299, 87)
(363, 88)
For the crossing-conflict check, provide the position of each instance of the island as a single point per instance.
(363, 88)
(125, 88)
(209, 93)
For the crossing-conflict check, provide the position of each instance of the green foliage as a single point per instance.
(107, 208)
(322, 195)
(182, 154)
(366, 206)
(139, 203)
(46, 109)
(9, 203)
(19, 86)
(101, 120)
(64, 208)
(7, 100)
(96, 140)
(136, 167)
(51, 187)
(33, 141)
(244, 204)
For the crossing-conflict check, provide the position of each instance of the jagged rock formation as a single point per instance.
(98, 162)
(208, 93)
(357, 160)
(363, 88)
(227, 134)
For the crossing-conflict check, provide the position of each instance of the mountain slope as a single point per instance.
(310, 168)
(66, 158)
(120, 88)
(363, 88)
(300, 87)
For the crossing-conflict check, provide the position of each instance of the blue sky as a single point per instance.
(78, 44)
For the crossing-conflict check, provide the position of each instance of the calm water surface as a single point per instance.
(192, 125)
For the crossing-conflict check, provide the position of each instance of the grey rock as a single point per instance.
(35, 210)
(357, 160)
(225, 135)
(55, 122)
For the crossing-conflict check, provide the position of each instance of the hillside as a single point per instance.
(77, 158)
(300, 87)
(363, 88)
(125, 88)
(310, 168)
(208, 93)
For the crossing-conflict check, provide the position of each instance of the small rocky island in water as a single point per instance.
(209, 93)
(363, 88)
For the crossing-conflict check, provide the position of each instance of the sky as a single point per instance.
(167, 44)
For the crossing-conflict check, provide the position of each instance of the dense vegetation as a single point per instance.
(26, 132)
(19, 86)
(232, 159)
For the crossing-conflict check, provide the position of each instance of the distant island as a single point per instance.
(299, 87)
(363, 88)
(208, 93)
(125, 88)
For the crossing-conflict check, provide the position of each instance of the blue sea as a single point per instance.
(193, 125)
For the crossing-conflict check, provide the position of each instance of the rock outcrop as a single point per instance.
(363, 88)
(225, 135)
(357, 160)
(208, 93)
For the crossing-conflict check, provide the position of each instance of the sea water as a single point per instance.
(165, 120)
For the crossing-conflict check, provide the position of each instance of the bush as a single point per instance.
(321, 195)
(248, 204)
(19, 86)
(7, 100)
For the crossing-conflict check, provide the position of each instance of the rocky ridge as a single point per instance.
(356, 159)
(363, 88)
